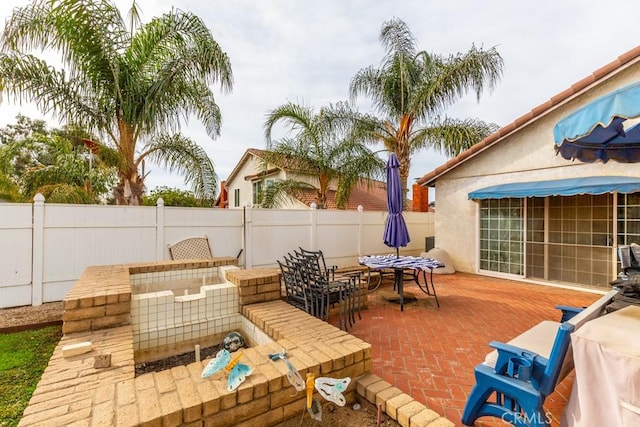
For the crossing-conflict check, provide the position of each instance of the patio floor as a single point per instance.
(430, 352)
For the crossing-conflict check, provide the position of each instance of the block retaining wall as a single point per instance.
(73, 392)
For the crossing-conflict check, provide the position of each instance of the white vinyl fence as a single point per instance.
(44, 248)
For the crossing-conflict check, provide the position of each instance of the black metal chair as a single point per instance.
(294, 289)
(320, 292)
(351, 281)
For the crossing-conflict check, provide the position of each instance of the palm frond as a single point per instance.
(475, 70)
(397, 40)
(65, 193)
(28, 78)
(176, 59)
(88, 34)
(297, 117)
(279, 193)
(180, 154)
(451, 136)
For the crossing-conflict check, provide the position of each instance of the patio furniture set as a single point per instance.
(515, 378)
(314, 287)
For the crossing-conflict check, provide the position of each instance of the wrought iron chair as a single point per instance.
(296, 294)
(351, 280)
(321, 292)
(191, 248)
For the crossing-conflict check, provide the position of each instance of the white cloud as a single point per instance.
(307, 51)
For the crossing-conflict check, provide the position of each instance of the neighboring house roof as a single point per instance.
(370, 194)
(285, 164)
(371, 199)
(623, 61)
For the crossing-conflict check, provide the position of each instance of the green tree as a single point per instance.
(132, 84)
(55, 163)
(411, 91)
(174, 197)
(322, 149)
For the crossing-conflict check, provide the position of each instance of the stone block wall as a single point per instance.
(73, 391)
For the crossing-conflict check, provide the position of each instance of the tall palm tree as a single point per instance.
(322, 150)
(412, 89)
(132, 84)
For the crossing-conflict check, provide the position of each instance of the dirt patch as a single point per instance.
(178, 360)
(346, 416)
(30, 315)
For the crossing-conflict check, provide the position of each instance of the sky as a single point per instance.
(307, 51)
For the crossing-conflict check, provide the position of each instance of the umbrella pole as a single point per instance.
(397, 252)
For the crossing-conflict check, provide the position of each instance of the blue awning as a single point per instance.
(623, 103)
(600, 131)
(560, 187)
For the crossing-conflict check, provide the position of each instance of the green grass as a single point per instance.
(23, 358)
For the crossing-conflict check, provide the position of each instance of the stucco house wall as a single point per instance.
(370, 194)
(527, 154)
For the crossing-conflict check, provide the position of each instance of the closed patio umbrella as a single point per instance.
(395, 230)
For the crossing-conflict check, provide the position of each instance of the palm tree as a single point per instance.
(321, 150)
(411, 91)
(132, 84)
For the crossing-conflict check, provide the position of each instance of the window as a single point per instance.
(580, 238)
(236, 197)
(628, 218)
(257, 190)
(501, 236)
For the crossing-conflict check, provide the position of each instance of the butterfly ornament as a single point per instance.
(332, 389)
(293, 376)
(236, 372)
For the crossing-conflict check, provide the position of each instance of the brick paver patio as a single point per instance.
(430, 352)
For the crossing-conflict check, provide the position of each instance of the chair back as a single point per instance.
(294, 287)
(561, 358)
(191, 248)
(558, 364)
(317, 263)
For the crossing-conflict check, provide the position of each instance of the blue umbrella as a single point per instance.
(395, 229)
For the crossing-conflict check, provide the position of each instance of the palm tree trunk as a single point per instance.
(130, 184)
(129, 190)
(405, 163)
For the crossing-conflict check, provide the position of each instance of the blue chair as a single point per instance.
(521, 381)
(513, 384)
(568, 312)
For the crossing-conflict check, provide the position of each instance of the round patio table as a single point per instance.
(401, 263)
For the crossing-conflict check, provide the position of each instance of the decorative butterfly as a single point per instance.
(236, 372)
(293, 376)
(331, 389)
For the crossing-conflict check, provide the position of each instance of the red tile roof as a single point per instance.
(602, 73)
(373, 198)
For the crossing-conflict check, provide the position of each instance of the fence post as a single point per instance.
(248, 237)
(159, 229)
(314, 227)
(360, 229)
(38, 249)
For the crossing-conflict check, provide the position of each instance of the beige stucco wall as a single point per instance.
(254, 166)
(526, 155)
